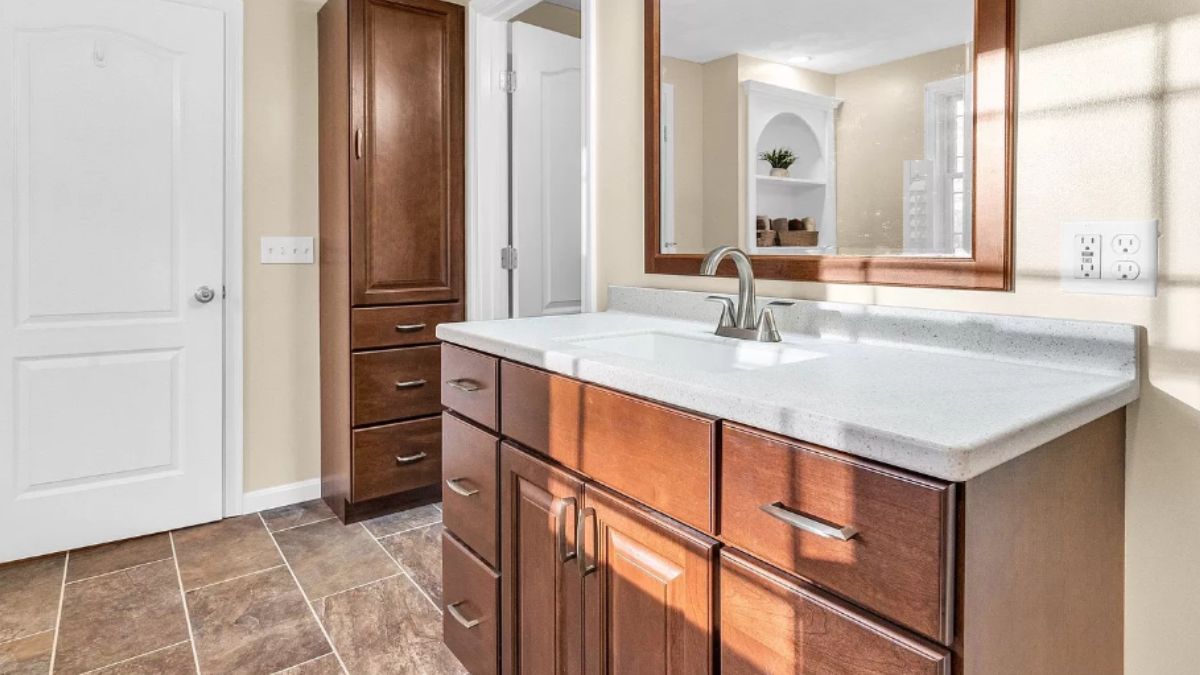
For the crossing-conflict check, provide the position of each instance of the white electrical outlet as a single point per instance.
(287, 250)
(1111, 258)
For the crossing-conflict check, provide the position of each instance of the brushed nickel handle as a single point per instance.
(459, 617)
(455, 485)
(410, 384)
(409, 327)
(561, 533)
(358, 143)
(800, 522)
(411, 459)
(464, 384)
(585, 567)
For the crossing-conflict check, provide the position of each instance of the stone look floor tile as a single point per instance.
(387, 627)
(296, 515)
(27, 655)
(118, 616)
(223, 550)
(119, 555)
(326, 665)
(254, 624)
(329, 557)
(29, 590)
(419, 552)
(404, 520)
(174, 660)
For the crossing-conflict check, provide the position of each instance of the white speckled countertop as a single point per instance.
(945, 394)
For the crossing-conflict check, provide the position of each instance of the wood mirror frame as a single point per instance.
(989, 267)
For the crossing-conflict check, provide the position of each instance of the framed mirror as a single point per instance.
(866, 142)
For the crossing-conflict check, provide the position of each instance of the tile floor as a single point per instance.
(288, 590)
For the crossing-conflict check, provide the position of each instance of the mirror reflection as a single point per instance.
(799, 127)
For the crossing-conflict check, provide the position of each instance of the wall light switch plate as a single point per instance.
(1110, 257)
(287, 250)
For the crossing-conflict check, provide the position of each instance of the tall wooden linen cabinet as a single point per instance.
(391, 249)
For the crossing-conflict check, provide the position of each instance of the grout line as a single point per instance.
(303, 594)
(29, 635)
(293, 527)
(62, 592)
(302, 663)
(123, 569)
(355, 588)
(187, 614)
(240, 576)
(404, 571)
(132, 658)
(405, 531)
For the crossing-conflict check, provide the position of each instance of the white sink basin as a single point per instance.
(699, 353)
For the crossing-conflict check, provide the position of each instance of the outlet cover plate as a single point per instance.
(1115, 256)
(287, 250)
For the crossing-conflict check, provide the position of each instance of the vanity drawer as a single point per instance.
(471, 620)
(771, 623)
(395, 384)
(397, 457)
(469, 383)
(660, 456)
(376, 327)
(779, 496)
(469, 457)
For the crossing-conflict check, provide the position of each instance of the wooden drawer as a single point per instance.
(771, 623)
(374, 328)
(775, 493)
(469, 461)
(395, 384)
(471, 620)
(658, 455)
(396, 457)
(469, 384)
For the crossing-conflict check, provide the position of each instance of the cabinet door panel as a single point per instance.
(408, 156)
(542, 593)
(648, 605)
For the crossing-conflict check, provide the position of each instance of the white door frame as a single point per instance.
(488, 162)
(232, 426)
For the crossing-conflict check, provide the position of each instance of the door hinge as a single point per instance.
(508, 82)
(224, 292)
(508, 258)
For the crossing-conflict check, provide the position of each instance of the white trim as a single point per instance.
(589, 291)
(500, 10)
(280, 495)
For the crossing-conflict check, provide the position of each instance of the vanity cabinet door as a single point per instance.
(542, 596)
(648, 590)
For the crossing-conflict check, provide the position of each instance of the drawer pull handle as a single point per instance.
(411, 459)
(410, 384)
(560, 537)
(585, 567)
(410, 327)
(777, 510)
(459, 617)
(464, 384)
(455, 485)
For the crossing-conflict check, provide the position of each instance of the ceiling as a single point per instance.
(830, 36)
(573, 4)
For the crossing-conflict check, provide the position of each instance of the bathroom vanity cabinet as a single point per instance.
(589, 530)
(391, 251)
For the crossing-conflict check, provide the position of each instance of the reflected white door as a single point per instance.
(111, 216)
(547, 172)
(666, 171)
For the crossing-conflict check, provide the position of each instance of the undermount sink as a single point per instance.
(701, 353)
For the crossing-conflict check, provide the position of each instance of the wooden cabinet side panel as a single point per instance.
(541, 596)
(334, 187)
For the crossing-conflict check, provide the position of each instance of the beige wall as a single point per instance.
(722, 188)
(688, 81)
(1109, 95)
(553, 17)
(880, 125)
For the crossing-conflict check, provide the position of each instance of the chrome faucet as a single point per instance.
(741, 321)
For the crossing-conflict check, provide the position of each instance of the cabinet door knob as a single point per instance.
(410, 327)
(464, 384)
(410, 384)
(411, 459)
(460, 617)
(456, 486)
(811, 525)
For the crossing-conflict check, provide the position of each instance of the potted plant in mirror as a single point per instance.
(780, 160)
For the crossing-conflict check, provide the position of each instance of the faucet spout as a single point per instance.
(747, 315)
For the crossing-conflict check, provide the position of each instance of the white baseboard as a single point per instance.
(281, 495)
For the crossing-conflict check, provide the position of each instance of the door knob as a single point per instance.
(204, 294)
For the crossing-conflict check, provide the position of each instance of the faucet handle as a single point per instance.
(726, 310)
(767, 331)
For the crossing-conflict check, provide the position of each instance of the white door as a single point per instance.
(112, 140)
(547, 172)
(666, 171)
